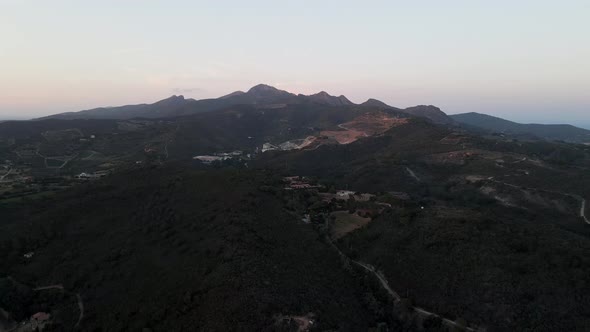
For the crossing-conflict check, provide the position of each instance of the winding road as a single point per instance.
(578, 197)
(65, 160)
(394, 294)
(78, 297)
(381, 278)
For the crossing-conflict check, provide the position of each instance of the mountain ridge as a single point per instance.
(565, 132)
(260, 94)
(264, 95)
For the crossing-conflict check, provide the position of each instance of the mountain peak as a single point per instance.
(430, 112)
(322, 94)
(172, 100)
(323, 97)
(262, 88)
(375, 103)
(267, 93)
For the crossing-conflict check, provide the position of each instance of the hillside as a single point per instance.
(211, 247)
(562, 132)
(44, 156)
(431, 113)
(192, 223)
(480, 236)
(183, 250)
(179, 106)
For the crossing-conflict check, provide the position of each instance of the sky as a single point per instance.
(527, 61)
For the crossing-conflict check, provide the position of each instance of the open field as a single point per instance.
(345, 223)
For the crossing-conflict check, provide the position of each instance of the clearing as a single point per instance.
(345, 223)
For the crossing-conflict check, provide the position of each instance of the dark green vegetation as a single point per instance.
(24, 301)
(500, 241)
(45, 155)
(486, 230)
(493, 267)
(561, 132)
(176, 250)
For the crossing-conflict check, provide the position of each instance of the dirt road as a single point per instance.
(381, 278)
(81, 307)
(5, 175)
(413, 174)
(583, 211)
(578, 197)
(60, 287)
(394, 294)
(78, 297)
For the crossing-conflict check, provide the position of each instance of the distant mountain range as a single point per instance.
(267, 96)
(178, 105)
(562, 132)
(263, 95)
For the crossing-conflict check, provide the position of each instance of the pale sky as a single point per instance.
(524, 60)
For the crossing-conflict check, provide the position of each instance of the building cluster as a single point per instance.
(343, 195)
(91, 176)
(12, 175)
(269, 147)
(39, 320)
(221, 156)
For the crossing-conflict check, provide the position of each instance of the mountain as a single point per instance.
(325, 99)
(162, 108)
(235, 93)
(375, 103)
(261, 95)
(430, 112)
(470, 228)
(561, 132)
